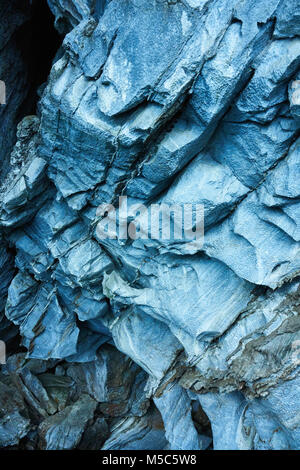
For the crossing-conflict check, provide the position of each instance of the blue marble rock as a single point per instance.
(144, 343)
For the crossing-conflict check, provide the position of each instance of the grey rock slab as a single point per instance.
(14, 421)
(95, 435)
(262, 424)
(36, 396)
(264, 94)
(65, 429)
(26, 187)
(287, 19)
(42, 335)
(145, 433)
(188, 283)
(6, 271)
(294, 97)
(85, 263)
(231, 407)
(68, 13)
(258, 232)
(211, 184)
(175, 408)
(255, 351)
(251, 149)
(113, 381)
(161, 346)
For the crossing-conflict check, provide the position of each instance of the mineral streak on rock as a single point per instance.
(132, 343)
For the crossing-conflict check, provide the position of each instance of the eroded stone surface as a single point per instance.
(139, 344)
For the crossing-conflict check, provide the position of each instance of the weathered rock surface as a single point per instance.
(124, 343)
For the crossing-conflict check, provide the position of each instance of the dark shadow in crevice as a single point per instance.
(39, 42)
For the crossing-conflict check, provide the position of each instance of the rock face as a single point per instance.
(133, 342)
